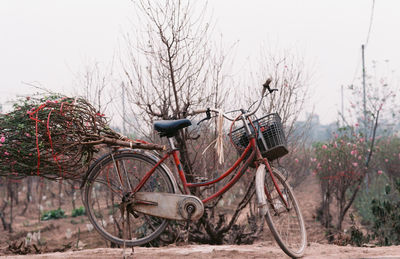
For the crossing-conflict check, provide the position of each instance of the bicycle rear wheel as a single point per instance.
(283, 216)
(109, 183)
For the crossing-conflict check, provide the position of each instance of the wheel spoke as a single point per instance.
(108, 198)
(284, 217)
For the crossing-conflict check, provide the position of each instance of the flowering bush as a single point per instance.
(341, 159)
(340, 165)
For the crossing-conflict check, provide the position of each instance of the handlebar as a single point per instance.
(266, 86)
(209, 110)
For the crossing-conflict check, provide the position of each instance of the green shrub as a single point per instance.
(78, 212)
(374, 191)
(53, 214)
(386, 221)
(357, 237)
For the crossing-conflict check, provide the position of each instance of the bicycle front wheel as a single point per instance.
(283, 215)
(110, 181)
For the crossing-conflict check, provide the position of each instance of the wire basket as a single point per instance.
(271, 138)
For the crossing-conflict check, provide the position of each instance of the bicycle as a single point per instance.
(130, 195)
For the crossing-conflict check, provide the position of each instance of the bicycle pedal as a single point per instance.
(135, 214)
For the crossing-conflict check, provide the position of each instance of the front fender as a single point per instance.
(260, 192)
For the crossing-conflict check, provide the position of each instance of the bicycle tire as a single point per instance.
(104, 187)
(287, 227)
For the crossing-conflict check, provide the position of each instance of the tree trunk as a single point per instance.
(59, 194)
(28, 197)
(325, 209)
(11, 201)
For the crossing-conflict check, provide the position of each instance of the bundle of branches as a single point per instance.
(55, 137)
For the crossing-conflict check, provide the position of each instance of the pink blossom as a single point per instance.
(2, 139)
(336, 135)
(380, 172)
(335, 146)
(296, 160)
(6, 153)
(386, 160)
(1, 144)
(353, 152)
(356, 125)
(27, 134)
(362, 140)
(324, 147)
(359, 157)
(355, 164)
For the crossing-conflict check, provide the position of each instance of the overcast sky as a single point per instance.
(48, 42)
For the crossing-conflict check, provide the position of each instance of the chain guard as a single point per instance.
(168, 205)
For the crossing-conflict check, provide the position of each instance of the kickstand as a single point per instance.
(187, 232)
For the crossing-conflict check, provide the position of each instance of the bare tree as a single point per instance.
(292, 78)
(95, 85)
(172, 67)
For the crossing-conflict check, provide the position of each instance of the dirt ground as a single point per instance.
(88, 244)
(260, 250)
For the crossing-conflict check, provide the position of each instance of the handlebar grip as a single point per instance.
(266, 86)
(197, 112)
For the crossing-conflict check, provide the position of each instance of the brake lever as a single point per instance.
(208, 113)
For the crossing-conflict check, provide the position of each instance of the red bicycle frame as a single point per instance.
(251, 148)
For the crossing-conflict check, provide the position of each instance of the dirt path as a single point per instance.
(260, 250)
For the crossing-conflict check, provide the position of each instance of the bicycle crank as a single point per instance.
(168, 205)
